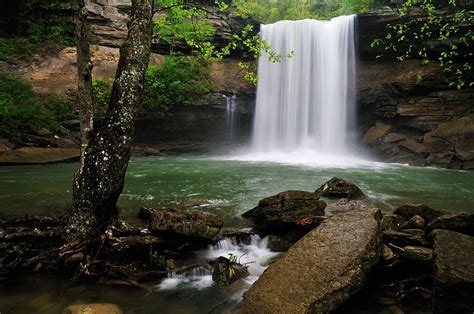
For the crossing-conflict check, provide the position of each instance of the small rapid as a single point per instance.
(256, 255)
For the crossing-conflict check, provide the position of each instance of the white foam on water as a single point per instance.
(255, 255)
(307, 158)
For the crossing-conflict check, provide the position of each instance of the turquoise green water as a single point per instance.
(231, 187)
(227, 187)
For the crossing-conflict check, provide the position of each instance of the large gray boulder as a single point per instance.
(284, 211)
(340, 188)
(410, 210)
(463, 223)
(322, 270)
(195, 224)
(453, 272)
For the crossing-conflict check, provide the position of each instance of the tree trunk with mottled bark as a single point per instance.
(85, 90)
(98, 185)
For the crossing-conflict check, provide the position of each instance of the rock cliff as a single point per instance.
(407, 112)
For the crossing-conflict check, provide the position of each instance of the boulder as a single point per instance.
(415, 222)
(388, 254)
(237, 236)
(93, 308)
(344, 205)
(282, 212)
(185, 223)
(391, 222)
(462, 223)
(408, 211)
(408, 237)
(146, 213)
(417, 254)
(278, 243)
(320, 271)
(340, 188)
(226, 272)
(453, 272)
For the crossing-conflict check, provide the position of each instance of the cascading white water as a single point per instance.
(306, 103)
(231, 108)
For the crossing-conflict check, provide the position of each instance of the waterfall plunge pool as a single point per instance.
(222, 186)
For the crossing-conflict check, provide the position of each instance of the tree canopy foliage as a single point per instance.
(427, 25)
(270, 11)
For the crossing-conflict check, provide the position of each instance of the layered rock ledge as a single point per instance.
(321, 270)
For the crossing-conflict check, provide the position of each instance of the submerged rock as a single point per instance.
(186, 223)
(321, 270)
(462, 223)
(408, 211)
(284, 211)
(38, 155)
(453, 272)
(93, 308)
(340, 188)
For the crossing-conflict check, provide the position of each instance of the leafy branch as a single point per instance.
(410, 39)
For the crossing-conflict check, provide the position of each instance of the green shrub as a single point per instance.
(22, 111)
(42, 25)
(102, 89)
(12, 50)
(179, 80)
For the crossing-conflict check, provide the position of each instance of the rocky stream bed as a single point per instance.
(342, 254)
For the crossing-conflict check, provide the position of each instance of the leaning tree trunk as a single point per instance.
(85, 96)
(99, 184)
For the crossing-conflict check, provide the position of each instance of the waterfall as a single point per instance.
(307, 102)
(231, 115)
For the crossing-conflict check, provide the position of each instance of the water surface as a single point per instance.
(225, 187)
(230, 187)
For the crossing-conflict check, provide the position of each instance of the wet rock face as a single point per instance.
(284, 211)
(402, 105)
(93, 308)
(407, 237)
(454, 272)
(462, 223)
(332, 262)
(340, 188)
(226, 272)
(185, 223)
(409, 211)
(416, 121)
